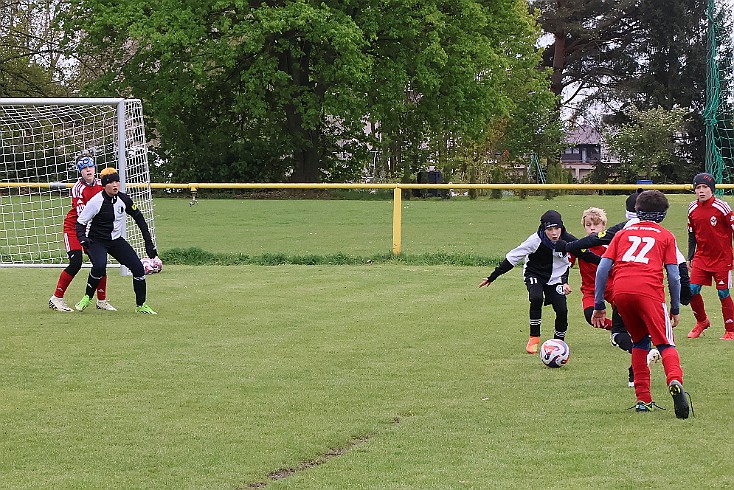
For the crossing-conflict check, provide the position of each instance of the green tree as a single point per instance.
(649, 54)
(475, 71)
(31, 61)
(245, 92)
(268, 90)
(647, 145)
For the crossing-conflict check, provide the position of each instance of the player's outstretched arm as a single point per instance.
(504, 266)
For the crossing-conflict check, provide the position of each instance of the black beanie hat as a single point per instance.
(631, 200)
(551, 219)
(111, 177)
(705, 179)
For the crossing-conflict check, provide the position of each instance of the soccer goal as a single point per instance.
(40, 140)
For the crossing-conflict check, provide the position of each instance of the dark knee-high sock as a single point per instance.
(140, 290)
(92, 283)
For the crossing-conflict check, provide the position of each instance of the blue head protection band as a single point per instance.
(83, 163)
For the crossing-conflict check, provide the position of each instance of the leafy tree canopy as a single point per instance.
(273, 90)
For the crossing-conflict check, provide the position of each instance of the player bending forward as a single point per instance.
(545, 273)
(85, 188)
(99, 228)
(639, 253)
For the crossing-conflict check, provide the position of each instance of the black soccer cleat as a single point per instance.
(680, 399)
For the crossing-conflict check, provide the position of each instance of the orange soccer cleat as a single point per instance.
(532, 347)
(728, 335)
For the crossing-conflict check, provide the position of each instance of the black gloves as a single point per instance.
(561, 245)
(150, 250)
(85, 242)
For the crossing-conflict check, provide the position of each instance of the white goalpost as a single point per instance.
(40, 140)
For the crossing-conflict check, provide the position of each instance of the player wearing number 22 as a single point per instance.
(99, 229)
(639, 253)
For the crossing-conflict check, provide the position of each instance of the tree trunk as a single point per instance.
(559, 61)
(305, 141)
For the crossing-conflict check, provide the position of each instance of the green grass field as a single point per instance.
(342, 376)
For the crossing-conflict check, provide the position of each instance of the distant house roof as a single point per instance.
(583, 135)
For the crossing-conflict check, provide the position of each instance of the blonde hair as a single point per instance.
(107, 171)
(596, 215)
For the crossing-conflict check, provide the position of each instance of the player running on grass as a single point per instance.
(710, 223)
(99, 228)
(545, 273)
(82, 191)
(619, 335)
(639, 253)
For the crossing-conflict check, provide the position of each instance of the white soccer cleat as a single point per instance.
(652, 357)
(102, 304)
(58, 304)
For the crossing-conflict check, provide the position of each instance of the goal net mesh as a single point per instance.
(39, 144)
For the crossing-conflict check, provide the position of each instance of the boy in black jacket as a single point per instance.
(545, 273)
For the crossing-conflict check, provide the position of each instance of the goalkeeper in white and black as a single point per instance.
(99, 228)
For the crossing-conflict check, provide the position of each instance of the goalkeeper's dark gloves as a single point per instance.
(150, 250)
(85, 242)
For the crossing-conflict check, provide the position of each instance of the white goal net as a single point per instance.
(40, 140)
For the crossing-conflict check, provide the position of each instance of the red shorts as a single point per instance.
(643, 316)
(722, 279)
(71, 242)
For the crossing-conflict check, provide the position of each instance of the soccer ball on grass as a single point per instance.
(554, 353)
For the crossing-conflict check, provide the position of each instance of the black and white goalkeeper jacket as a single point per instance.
(104, 218)
(541, 261)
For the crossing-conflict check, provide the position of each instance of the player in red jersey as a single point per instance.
(594, 220)
(84, 189)
(710, 224)
(639, 253)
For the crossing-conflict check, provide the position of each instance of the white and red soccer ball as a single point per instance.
(153, 265)
(554, 353)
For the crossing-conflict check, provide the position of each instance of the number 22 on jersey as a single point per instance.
(639, 247)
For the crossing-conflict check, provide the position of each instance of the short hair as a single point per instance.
(107, 171)
(652, 202)
(597, 215)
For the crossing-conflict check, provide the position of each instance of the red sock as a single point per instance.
(102, 289)
(642, 374)
(699, 311)
(64, 280)
(671, 365)
(727, 309)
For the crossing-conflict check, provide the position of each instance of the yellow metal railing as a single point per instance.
(396, 187)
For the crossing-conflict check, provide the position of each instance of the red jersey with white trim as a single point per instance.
(640, 252)
(587, 270)
(80, 194)
(712, 222)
